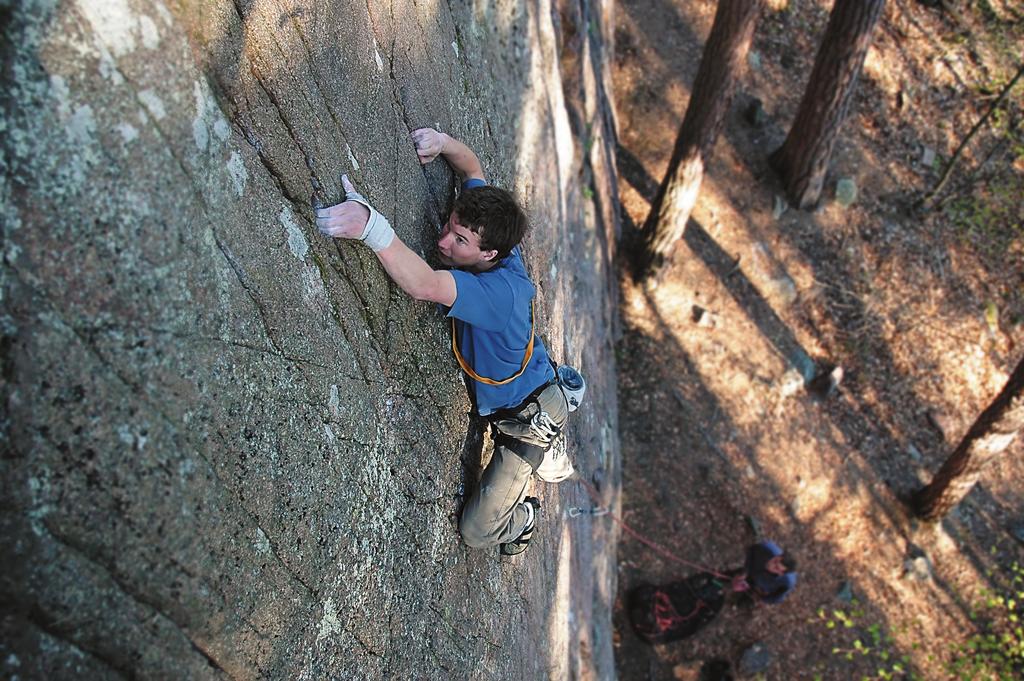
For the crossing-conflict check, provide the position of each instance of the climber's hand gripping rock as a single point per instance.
(355, 218)
(429, 143)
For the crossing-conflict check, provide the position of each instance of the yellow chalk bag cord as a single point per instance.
(490, 381)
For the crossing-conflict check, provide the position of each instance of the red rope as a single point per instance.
(596, 496)
(665, 614)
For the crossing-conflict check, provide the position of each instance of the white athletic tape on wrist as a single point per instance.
(378, 233)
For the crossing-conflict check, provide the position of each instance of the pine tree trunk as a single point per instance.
(990, 435)
(720, 67)
(803, 158)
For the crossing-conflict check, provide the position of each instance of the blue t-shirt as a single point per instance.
(492, 312)
(772, 588)
(492, 327)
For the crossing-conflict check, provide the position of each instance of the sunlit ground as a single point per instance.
(714, 424)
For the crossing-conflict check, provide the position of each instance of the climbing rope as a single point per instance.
(596, 496)
(665, 614)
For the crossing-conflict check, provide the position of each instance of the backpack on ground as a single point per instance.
(673, 611)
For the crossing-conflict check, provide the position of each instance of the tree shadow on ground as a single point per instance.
(874, 436)
(690, 501)
(863, 430)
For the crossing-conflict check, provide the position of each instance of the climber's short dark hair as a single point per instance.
(789, 561)
(493, 214)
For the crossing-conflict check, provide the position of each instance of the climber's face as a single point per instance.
(776, 566)
(459, 246)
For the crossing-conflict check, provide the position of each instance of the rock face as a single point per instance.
(231, 447)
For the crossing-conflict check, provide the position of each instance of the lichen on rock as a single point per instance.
(231, 446)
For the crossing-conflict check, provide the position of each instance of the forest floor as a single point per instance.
(924, 313)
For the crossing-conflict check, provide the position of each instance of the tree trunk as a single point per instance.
(803, 158)
(720, 66)
(990, 435)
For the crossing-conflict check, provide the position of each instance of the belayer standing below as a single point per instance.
(768, 575)
(489, 298)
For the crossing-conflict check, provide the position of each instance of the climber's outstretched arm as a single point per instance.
(356, 219)
(414, 276)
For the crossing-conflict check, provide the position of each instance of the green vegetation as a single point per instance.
(990, 218)
(994, 652)
(987, 211)
(991, 215)
(870, 644)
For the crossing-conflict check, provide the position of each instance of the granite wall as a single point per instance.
(231, 448)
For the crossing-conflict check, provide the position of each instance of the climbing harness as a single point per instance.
(569, 379)
(491, 381)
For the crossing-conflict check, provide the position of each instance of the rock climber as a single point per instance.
(486, 292)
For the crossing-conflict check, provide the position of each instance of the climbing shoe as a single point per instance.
(519, 544)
